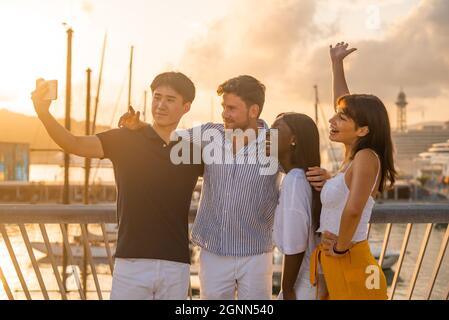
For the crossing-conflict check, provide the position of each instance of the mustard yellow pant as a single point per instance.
(354, 276)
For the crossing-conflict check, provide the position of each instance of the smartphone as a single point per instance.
(52, 93)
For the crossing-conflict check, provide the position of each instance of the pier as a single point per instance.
(51, 192)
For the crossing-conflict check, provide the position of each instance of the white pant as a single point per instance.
(305, 291)
(221, 278)
(148, 279)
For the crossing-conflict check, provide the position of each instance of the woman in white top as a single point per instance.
(298, 212)
(361, 123)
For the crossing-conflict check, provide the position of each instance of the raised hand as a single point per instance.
(131, 120)
(41, 105)
(340, 51)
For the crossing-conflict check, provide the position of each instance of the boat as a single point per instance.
(98, 252)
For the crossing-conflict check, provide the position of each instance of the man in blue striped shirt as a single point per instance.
(234, 222)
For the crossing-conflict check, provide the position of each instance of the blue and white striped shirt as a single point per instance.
(237, 205)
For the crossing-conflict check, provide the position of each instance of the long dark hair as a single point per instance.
(306, 152)
(368, 110)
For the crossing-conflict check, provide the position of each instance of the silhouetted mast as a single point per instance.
(87, 132)
(130, 76)
(317, 101)
(68, 103)
(100, 76)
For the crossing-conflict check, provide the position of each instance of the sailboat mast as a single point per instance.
(87, 132)
(130, 75)
(317, 101)
(145, 93)
(68, 103)
(100, 76)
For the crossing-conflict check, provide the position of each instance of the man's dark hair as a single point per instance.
(178, 82)
(248, 88)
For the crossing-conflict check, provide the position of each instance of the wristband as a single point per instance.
(339, 252)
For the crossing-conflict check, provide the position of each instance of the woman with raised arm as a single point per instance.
(362, 125)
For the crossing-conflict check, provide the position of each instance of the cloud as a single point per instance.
(257, 37)
(281, 43)
(8, 95)
(413, 55)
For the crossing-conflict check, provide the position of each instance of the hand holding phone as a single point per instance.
(52, 88)
(45, 92)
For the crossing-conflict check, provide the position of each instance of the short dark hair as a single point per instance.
(248, 88)
(178, 82)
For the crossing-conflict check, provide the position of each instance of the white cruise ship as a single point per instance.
(436, 158)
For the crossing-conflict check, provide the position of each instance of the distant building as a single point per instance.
(401, 104)
(411, 143)
(14, 161)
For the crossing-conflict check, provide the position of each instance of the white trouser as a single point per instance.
(150, 279)
(305, 291)
(221, 277)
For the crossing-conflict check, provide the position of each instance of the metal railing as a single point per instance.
(65, 221)
(62, 215)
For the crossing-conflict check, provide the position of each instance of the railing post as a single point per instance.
(84, 272)
(70, 259)
(5, 285)
(37, 271)
(408, 231)
(385, 244)
(88, 255)
(419, 260)
(53, 261)
(108, 248)
(440, 257)
(14, 261)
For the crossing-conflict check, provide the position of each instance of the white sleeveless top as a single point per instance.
(334, 196)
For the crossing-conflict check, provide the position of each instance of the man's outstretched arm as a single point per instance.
(84, 146)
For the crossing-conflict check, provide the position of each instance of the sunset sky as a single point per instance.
(284, 43)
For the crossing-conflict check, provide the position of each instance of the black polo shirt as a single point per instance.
(154, 195)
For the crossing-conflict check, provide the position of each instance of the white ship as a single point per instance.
(436, 159)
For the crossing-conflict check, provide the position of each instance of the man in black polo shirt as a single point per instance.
(152, 256)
